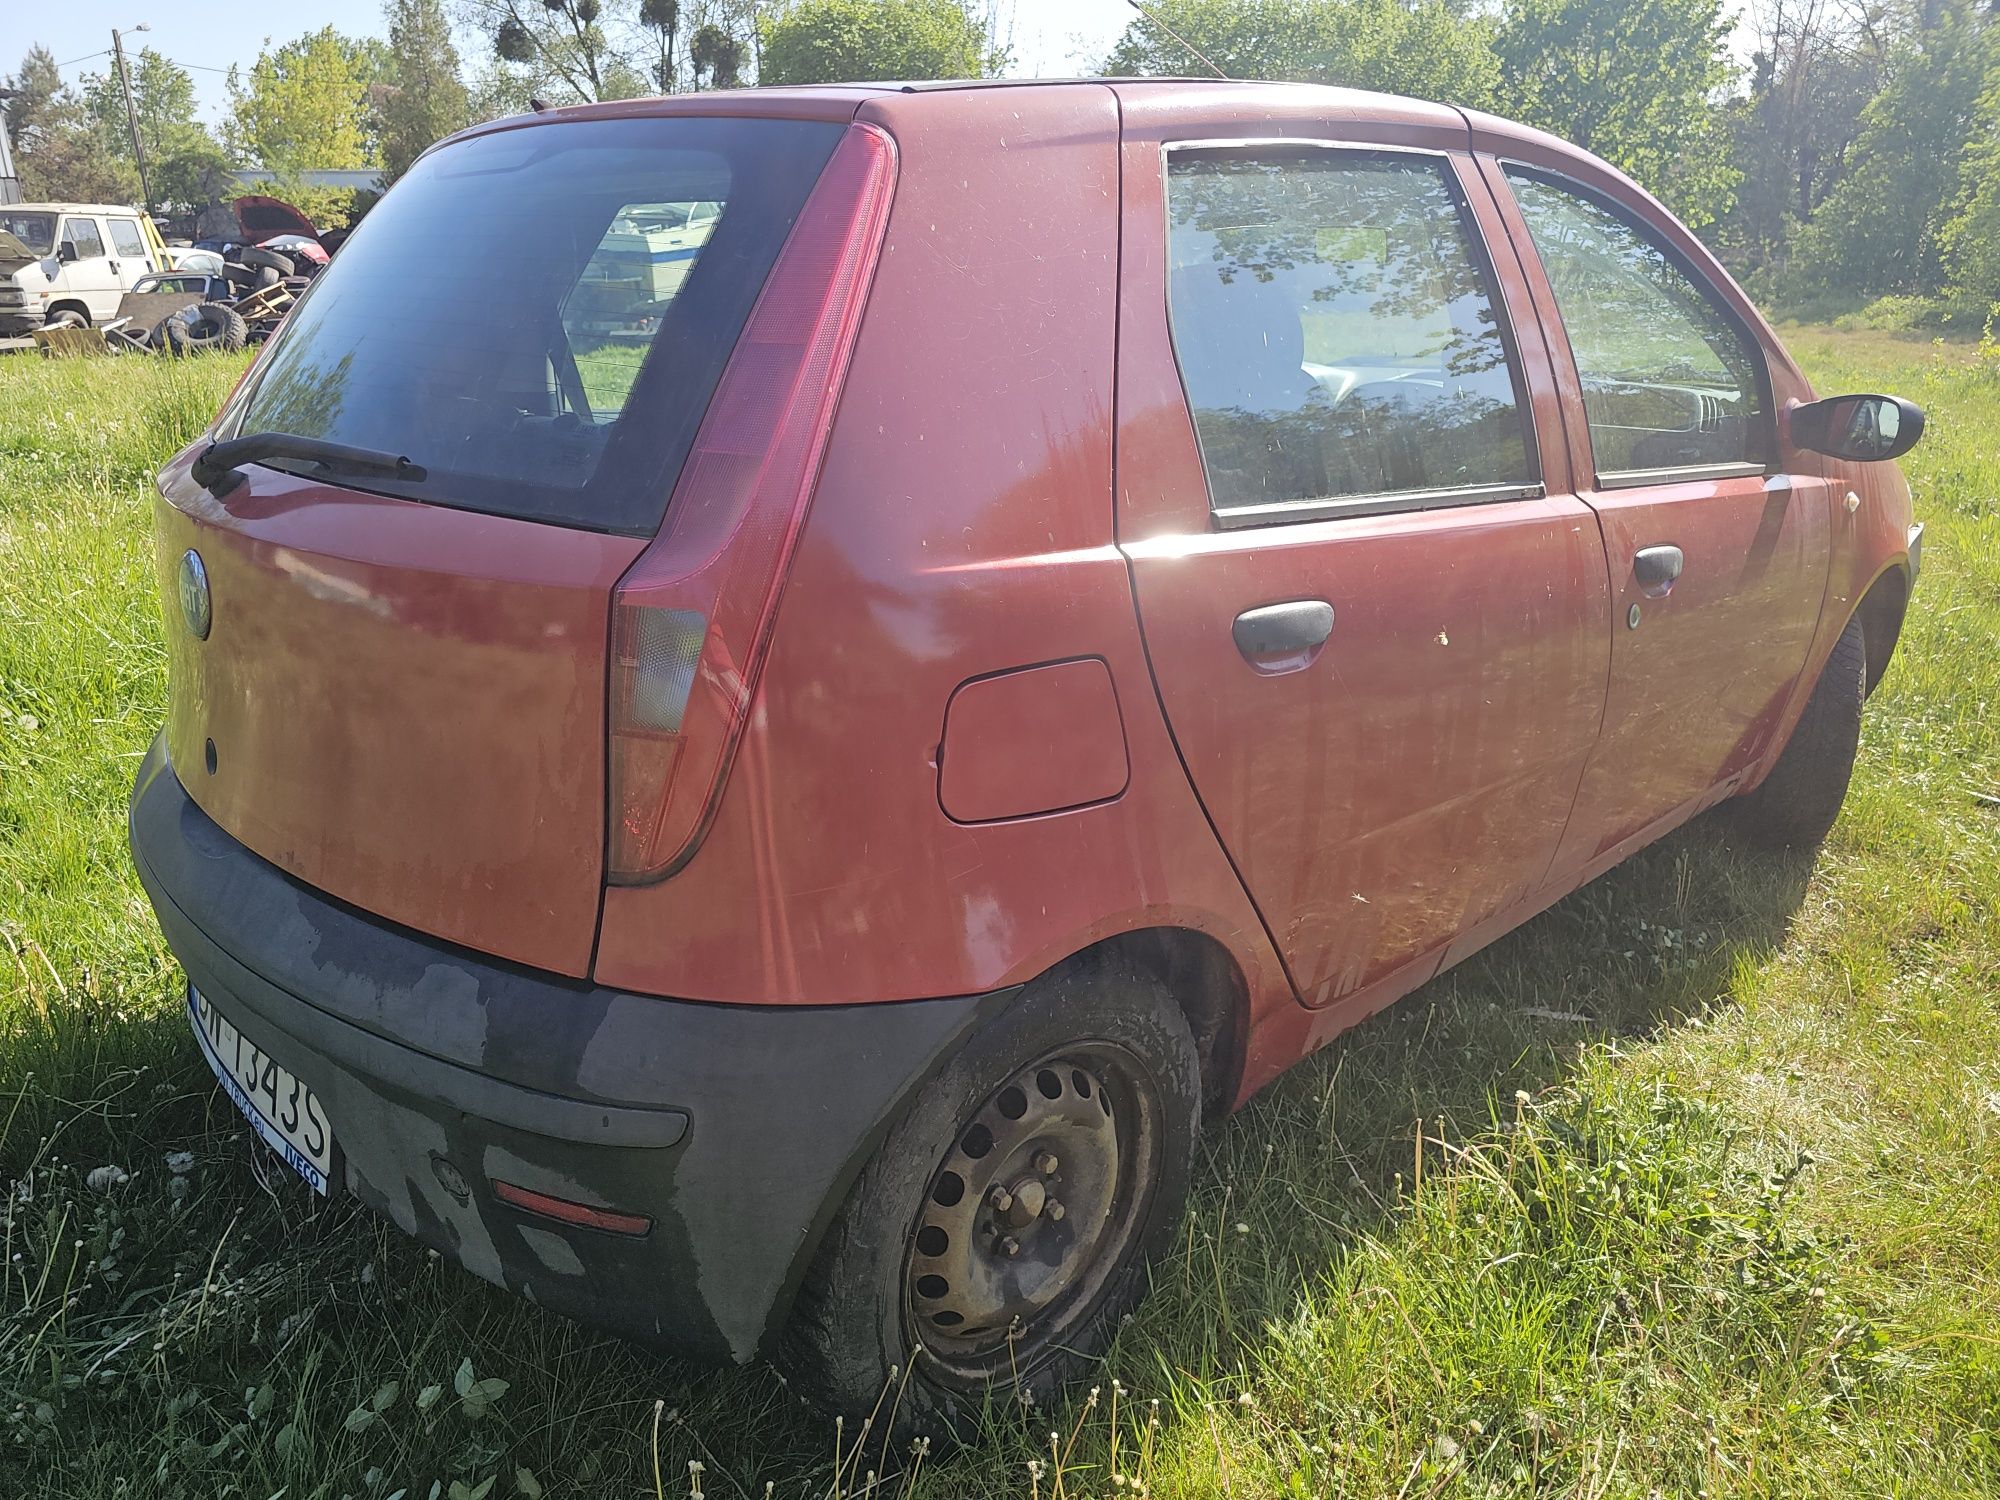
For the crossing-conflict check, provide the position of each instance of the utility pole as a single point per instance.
(132, 113)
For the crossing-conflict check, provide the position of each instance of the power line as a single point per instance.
(106, 52)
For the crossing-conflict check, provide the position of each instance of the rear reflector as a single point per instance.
(583, 1215)
(691, 620)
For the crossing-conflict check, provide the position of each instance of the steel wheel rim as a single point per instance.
(1038, 1204)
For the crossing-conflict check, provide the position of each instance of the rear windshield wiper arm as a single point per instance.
(215, 470)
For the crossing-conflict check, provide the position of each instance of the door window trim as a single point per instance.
(1331, 507)
(1705, 287)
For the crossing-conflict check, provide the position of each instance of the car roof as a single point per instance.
(1224, 103)
(123, 210)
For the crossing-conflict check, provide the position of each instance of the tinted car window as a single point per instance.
(521, 317)
(1335, 331)
(82, 233)
(125, 235)
(1669, 380)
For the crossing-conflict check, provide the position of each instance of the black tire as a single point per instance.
(856, 1327)
(216, 327)
(267, 277)
(268, 260)
(238, 274)
(1796, 804)
(67, 317)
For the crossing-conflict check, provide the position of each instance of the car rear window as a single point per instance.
(539, 316)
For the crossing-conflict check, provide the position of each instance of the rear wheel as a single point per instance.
(1006, 1223)
(1794, 807)
(67, 317)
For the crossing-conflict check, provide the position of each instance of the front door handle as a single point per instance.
(1656, 568)
(1283, 637)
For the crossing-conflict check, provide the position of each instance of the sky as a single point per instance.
(1051, 38)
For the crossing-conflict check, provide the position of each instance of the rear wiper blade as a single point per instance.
(215, 470)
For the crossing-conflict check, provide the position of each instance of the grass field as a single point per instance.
(1690, 1186)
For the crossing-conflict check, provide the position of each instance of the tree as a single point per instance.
(60, 149)
(663, 19)
(304, 106)
(568, 49)
(1883, 230)
(1428, 48)
(1817, 64)
(715, 52)
(424, 99)
(186, 164)
(1638, 82)
(830, 41)
(1971, 240)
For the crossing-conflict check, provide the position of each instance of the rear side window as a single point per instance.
(1670, 381)
(1337, 336)
(539, 316)
(125, 235)
(82, 233)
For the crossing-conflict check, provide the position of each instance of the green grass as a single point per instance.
(1693, 1184)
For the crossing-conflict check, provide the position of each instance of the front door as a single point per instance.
(1718, 556)
(1378, 626)
(89, 278)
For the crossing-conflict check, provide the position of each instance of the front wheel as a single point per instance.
(1794, 807)
(1005, 1226)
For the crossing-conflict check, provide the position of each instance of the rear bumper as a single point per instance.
(736, 1129)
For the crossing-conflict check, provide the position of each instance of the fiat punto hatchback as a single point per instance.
(755, 785)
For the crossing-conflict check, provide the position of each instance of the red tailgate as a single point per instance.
(405, 703)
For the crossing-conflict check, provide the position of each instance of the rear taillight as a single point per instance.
(691, 618)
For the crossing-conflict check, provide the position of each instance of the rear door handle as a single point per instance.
(1656, 568)
(1283, 637)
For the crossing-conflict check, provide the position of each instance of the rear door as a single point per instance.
(1377, 624)
(400, 695)
(1718, 557)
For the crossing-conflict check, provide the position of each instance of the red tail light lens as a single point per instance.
(692, 617)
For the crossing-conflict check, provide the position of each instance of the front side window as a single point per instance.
(125, 235)
(82, 233)
(1669, 380)
(1336, 335)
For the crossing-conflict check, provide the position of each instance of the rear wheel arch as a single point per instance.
(1208, 985)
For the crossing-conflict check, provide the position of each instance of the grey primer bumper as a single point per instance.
(737, 1128)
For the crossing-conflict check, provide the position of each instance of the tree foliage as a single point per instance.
(1886, 227)
(1638, 82)
(1429, 49)
(304, 105)
(833, 41)
(424, 99)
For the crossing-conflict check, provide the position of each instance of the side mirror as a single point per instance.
(66, 252)
(1866, 429)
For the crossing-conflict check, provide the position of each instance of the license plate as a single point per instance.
(277, 1103)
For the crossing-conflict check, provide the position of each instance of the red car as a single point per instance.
(755, 785)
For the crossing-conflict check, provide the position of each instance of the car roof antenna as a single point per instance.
(1192, 50)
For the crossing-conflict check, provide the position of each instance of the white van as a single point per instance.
(70, 262)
